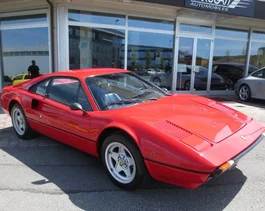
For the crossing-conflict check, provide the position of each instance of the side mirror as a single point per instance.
(77, 107)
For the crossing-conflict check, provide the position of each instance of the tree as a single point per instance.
(227, 54)
(134, 59)
(162, 62)
(244, 50)
(148, 59)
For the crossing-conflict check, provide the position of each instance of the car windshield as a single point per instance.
(118, 90)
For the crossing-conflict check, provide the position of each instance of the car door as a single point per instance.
(257, 84)
(26, 77)
(58, 120)
(263, 84)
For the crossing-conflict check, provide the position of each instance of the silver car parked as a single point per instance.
(252, 86)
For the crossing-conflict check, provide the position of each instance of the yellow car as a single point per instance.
(20, 78)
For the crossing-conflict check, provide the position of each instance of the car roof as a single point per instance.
(87, 72)
(81, 74)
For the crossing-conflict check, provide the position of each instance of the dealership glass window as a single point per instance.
(150, 56)
(257, 54)
(231, 33)
(93, 17)
(151, 24)
(259, 74)
(195, 28)
(23, 19)
(257, 51)
(229, 61)
(96, 47)
(256, 35)
(14, 41)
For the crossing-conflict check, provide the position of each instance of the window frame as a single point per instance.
(21, 77)
(49, 81)
(69, 77)
(130, 73)
(260, 70)
(28, 25)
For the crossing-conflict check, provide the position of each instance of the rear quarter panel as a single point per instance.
(8, 94)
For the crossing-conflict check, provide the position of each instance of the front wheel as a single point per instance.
(187, 86)
(123, 162)
(244, 93)
(157, 82)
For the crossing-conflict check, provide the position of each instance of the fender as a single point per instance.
(115, 126)
(122, 127)
(14, 98)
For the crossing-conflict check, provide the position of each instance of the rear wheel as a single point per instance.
(20, 124)
(244, 93)
(157, 82)
(187, 86)
(123, 162)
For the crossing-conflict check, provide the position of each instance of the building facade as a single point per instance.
(187, 46)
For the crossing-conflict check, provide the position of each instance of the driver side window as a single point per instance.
(67, 91)
(259, 74)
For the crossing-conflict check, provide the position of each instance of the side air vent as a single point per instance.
(222, 108)
(171, 129)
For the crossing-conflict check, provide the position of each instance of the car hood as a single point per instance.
(196, 115)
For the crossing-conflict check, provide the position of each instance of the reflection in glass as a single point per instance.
(150, 56)
(202, 59)
(96, 47)
(23, 19)
(184, 63)
(119, 90)
(151, 24)
(93, 17)
(20, 47)
(235, 33)
(195, 28)
(229, 61)
(258, 35)
(257, 55)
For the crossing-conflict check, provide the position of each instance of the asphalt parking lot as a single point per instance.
(41, 174)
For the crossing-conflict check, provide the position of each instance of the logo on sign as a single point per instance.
(220, 5)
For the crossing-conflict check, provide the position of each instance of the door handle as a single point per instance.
(195, 70)
(34, 104)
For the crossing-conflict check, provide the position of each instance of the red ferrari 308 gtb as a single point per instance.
(135, 127)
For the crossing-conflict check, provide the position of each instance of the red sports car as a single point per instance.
(135, 127)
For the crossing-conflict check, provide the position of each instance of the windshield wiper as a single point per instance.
(142, 94)
(152, 98)
(121, 102)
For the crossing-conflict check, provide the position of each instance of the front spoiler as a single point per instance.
(252, 146)
(231, 164)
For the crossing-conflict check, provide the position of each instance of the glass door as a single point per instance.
(193, 64)
(184, 66)
(201, 68)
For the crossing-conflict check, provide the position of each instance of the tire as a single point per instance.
(187, 85)
(123, 162)
(157, 81)
(244, 93)
(20, 123)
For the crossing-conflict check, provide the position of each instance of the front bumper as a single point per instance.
(231, 164)
(192, 179)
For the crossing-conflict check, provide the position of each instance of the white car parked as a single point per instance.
(252, 86)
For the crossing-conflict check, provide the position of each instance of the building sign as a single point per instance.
(235, 7)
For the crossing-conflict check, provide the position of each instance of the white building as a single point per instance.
(138, 35)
